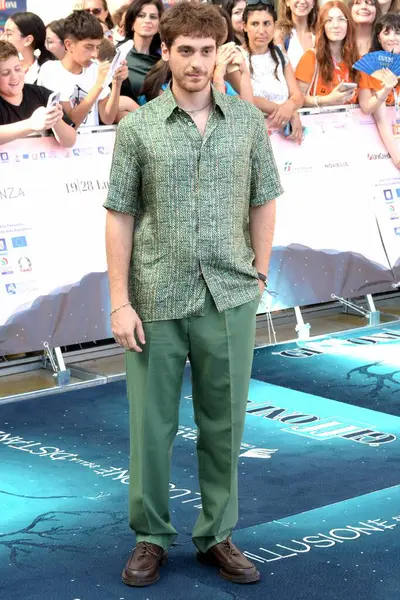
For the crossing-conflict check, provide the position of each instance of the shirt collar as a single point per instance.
(169, 105)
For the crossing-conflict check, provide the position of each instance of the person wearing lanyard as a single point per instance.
(376, 94)
(325, 75)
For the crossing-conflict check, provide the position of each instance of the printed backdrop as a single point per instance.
(8, 8)
(338, 228)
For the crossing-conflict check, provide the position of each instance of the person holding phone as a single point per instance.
(375, 95)
(326, 75)
(27, 109)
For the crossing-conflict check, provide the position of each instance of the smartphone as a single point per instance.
(288, 129)
(346, 87)
(54, 99)
(115, 65)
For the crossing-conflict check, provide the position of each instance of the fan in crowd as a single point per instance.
(275, 89)
(55, 38)
(296, 27)
(235, 9)
(119, 19)
(23, 106)
(364, 14)
(143, 46)
(326, 75)
(27, 32)
(85, 93)
(376, 94)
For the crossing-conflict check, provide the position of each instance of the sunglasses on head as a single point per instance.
(263, 2)
(94, 11)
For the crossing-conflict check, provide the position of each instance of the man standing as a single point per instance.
(190, 224)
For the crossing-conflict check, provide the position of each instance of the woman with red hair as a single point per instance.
(325, 75)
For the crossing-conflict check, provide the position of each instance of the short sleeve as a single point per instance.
(367, 82)
(125, 178)
(306, 67)
(265, 182)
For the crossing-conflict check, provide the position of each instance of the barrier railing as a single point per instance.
(338, 228)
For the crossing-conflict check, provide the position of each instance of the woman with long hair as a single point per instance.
(275, 89)
(142, 22)
(27, 32)
(235, 9)
(364, 14)
(375, 95)
(55, 38)
(326, 76)
(99, 9)
(296, 27)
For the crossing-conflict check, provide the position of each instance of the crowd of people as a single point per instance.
(280, 59)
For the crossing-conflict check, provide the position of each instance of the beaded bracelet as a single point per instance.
(119, 308)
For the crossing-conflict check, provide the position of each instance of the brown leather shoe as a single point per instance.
(143, 566)
(233, 565)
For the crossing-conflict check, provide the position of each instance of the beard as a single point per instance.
(193, 85)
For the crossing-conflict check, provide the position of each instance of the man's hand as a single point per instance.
(127, 329)
(261, 286)
(45, 118)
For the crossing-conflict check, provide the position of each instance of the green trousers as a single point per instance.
(220, 349)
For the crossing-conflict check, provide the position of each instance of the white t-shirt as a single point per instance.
(73, 88)
(295, 50)
(32, 73)
(264, 82)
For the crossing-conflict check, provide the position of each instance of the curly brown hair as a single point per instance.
(349, 46)
(285, 20)
(192, 20)
(7, 50)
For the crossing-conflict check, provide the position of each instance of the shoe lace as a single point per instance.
(145, 549)
(229, 545)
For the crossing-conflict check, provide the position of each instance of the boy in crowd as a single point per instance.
(23, 107)
(82, 82)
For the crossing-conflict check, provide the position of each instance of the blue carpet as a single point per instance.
(319, 492)
(360, 368)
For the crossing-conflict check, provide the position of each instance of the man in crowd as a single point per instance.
(23, 107)
(85, 94)
(191, 212)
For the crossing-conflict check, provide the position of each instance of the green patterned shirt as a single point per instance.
(190, 196)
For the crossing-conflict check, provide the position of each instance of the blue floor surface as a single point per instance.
(319, 486)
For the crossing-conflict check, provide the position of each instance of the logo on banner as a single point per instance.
(336, 165)
(4, 157)
(25, 265)
(5, 268)
(379, 156)
(388, 195)
(11, 289)
(3, 246)
(289, 168)
(19, 242)
(397, 230)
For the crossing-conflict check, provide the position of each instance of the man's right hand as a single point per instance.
(127, 329)
(45, 118)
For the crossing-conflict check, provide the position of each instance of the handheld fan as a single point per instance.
(374, 63)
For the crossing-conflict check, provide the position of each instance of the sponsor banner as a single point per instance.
(53, 283)
(327, 240)
(8, 8)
